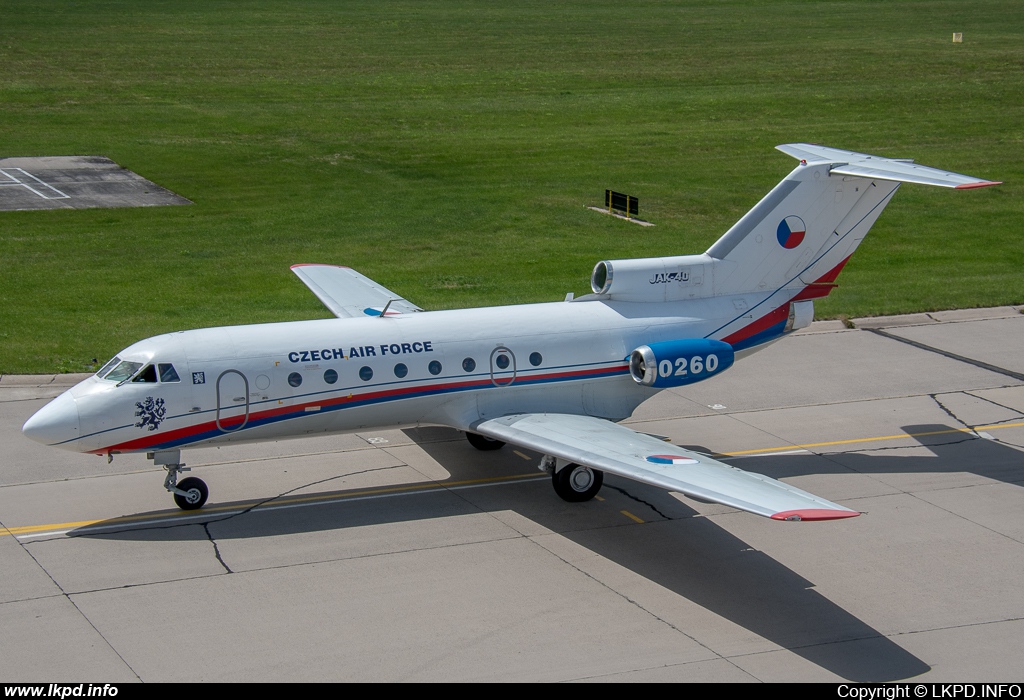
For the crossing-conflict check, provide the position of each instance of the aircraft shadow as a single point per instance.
(690, 556)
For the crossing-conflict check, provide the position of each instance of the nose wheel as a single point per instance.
(190, 493)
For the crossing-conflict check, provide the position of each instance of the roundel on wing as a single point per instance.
(791, 232)
(671, 459)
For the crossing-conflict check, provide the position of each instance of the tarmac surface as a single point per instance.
(76, 182)
(410, 556)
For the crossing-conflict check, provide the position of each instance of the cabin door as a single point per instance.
(232, 401)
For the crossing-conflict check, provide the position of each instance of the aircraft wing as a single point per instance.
(346, 293)
(613, 448)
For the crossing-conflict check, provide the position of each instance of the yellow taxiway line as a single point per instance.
(901, 436)
(60, 528)
(57, 528)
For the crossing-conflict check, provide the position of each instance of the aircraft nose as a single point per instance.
(55, 423)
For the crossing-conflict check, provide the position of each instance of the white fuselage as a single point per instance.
(272, 381)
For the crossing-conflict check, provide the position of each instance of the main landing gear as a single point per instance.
(574, 483)
(484, 443)
(190, 493)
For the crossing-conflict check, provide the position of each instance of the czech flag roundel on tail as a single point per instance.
(791, 232)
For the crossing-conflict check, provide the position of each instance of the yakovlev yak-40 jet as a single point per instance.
(554, 378)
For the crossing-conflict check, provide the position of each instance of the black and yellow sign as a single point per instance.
(617, 201)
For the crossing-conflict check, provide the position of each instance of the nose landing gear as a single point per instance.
(190, 493)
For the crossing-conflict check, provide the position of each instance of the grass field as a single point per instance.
(448, 149)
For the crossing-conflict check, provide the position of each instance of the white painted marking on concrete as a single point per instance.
(224, 515)
(18, 183)
(765, 454)
(42, 534)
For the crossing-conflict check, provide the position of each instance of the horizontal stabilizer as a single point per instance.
(613, 448)
(877, 168)
(347, 294)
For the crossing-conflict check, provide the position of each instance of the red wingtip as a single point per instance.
(973, 185)
(815, 514)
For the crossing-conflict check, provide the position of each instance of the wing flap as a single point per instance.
(616, 449)
(346, 293)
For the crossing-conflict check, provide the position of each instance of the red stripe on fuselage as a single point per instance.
(767, 321)
(142, 443)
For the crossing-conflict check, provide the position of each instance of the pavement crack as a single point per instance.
(641, 501)
(213, 519)
(949, 412)
(283, 494)
(216, 549)
(973, 428)
(969, 437)
(996, 403)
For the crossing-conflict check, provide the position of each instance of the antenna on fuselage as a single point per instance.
(386, 308)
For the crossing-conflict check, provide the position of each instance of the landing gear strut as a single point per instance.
(190, 493)
(574, 483)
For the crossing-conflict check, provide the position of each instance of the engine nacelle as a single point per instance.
(679, 362)
(653, 279)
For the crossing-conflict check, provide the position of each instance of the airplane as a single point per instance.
(555, 378)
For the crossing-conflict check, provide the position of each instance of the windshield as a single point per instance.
(107, 367)
(123, 371)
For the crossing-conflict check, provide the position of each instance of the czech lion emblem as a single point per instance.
(151, 412)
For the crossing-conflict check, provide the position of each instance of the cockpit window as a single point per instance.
(167, 373)
(123, 371)
(147, 376)
(107, 367)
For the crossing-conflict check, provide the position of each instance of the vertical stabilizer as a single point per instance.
(801, 234)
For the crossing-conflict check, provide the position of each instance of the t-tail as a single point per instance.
(786, 251)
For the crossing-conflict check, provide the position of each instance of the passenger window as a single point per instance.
(536, 359)
(146, 376)
(434, 367)
(365, 373)
(330, 376)
(167, 373)
(401, 370)
(469, 364)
